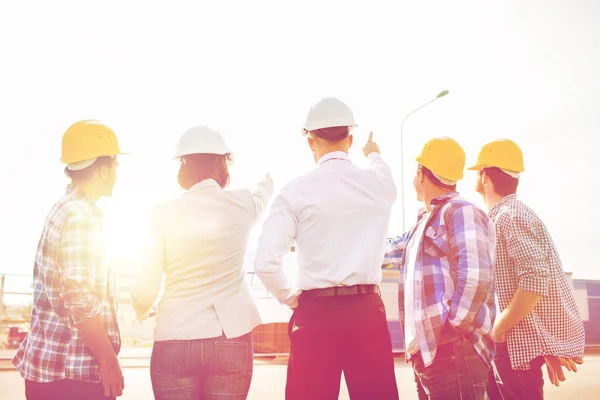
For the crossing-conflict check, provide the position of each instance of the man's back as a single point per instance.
(70, 252)
(338, 216)
(527, 258)
(342, 214)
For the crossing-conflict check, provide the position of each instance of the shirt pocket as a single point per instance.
(435, 243)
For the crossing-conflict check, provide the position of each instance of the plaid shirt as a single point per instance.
(526, 258)
(453, 285)
(71, 283)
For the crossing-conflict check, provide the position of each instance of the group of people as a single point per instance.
(483, 299)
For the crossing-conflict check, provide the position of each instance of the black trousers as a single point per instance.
(340, 333)
(506, 383)
(65, 389)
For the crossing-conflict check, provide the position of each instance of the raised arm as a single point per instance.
(261, 194)
(380, 167)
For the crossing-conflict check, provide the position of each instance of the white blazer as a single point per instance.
(197, 241)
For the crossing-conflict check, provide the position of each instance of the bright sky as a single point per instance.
(523, 70)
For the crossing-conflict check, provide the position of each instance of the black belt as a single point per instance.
(342, 291)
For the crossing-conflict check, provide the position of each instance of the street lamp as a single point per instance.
(440, 94)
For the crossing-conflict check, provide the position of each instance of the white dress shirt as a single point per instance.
(412, 250)
(198, 242)
(338, 216)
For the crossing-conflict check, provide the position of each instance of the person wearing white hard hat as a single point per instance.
(197, 243)
(338, 216)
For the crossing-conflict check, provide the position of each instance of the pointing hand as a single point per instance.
(371, 146)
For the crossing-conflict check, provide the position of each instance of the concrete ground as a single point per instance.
(269, 380)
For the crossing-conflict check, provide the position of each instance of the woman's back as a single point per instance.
(206, 233)
(199, 240)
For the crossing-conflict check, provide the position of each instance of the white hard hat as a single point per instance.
(327, 113)
(202, 140)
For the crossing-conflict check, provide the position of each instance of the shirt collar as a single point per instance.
(334, 155)
(441, 199)
(422, 212)
(78, 193)
(203, 185)
(496, 208)
(436, 202)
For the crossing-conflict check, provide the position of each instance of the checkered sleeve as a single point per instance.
(394, 249)
(78, 267)
(528, 248)
(472, 239)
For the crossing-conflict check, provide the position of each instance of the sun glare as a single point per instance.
(125, 229)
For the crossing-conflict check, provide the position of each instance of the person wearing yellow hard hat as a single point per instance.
(196, 245)
(337, 215)
(446, 299)
(71, 349)
(539, 321)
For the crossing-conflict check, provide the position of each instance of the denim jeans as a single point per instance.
(340, 333)
(506, 383)
(64, 389)
(457, 372)
(202, 369)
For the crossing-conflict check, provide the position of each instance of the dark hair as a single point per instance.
(434, 180)
(503, 183)
(333, 134)
(84, 175)
(198, 167)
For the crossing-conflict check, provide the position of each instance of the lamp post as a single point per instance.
(440, 94)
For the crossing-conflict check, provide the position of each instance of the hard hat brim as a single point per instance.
(63, 161)
(305, 132)
(313, 126)
(230, 157)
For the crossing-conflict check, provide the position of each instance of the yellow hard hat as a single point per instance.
(503, 154)
(444, 157)
(88, 139)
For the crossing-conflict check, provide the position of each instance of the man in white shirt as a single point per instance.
(337, 215)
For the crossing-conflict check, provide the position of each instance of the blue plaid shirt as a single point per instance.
(454, 274)
(71, 283)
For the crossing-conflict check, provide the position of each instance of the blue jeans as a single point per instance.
(202, 369)
(457, 372)
(510, 384)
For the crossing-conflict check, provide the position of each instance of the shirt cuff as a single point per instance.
(534, 284)
(292, 300)
(83, 308)
(268, 186)
(374, 157)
